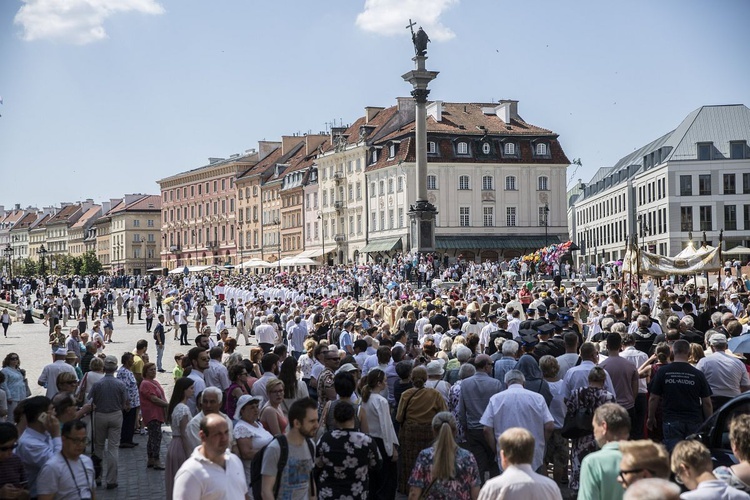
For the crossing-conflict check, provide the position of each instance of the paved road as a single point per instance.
(31, 344)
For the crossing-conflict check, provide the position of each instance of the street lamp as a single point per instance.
(42, 252)
(9, 256)
(546, 221)
(277, 223)
(323, 237)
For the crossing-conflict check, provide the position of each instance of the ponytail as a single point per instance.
(369, 382)
(444, 458)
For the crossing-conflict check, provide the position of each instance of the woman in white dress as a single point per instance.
(179, 415)
(248, 432)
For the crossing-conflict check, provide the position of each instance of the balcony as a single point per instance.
(339, 238)
(174, 249)
(212, 245)
(338, 205)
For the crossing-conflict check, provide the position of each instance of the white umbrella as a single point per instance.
(738, 250)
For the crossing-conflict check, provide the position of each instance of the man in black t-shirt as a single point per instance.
(686, 395)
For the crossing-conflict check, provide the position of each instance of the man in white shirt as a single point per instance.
(69, 473)
(266, 334)
(212, 471)
(222, 323)
(270, 365)
(725, 374)
(296, 334)
(41, 439)
(199, 358)
(518, 407)
(217, 374)
(578, 376)
(48, 378)
(240, 322)
(518, 480)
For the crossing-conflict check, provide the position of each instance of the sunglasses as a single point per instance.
(9, 448)
(14, 358)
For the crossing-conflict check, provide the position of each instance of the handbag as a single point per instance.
(579, 423)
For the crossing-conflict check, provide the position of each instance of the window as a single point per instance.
(351, 224)
(729, 184)
(382, 220)
(462, 148)
(391, 151)
(431, 147)
(463, 182)
(381, 188)
(705, 218)
(390, 186)
(432, 182)
(463, 216)
(223, 184)
(704, 150)
(372, 190)
(350, 166)
(746, 185)
(686, 185)
(351, 192)
(541, 149)
(730, 217)
(359, 223)
(543, 211)
(746, 216)
(510, 216)
(486, 148)
(487, 183)
(737, 150)
(391, 219)
(510, 183)
(400, 217)
(359, 190)
(136, 223)
(325, 198)
(543, 184)
(704, 184)
(373, 219)
(510, 149)
(374, 156)
(400, 183)
(488, 216)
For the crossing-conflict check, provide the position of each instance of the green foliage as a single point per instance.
(90, 264)
(25, 267)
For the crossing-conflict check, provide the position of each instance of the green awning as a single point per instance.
(492, 242)
(384, 245)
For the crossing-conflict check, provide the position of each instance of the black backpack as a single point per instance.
(256, 466)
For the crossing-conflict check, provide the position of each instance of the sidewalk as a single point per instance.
(134, 479)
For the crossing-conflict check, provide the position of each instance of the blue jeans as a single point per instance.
(677, 431)
(159, 356)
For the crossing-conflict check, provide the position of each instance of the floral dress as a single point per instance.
(343, 460)
(591, 398)
(453, 399)
(458, 488)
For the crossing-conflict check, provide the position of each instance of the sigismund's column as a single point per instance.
(422, 213)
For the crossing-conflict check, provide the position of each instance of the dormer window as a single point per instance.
(704, 151)
(391, 151)
(541, 149)
(510, 149)
(486, 148)
(374, 156)
(462, 148)
(431, 147)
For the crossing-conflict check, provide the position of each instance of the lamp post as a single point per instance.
(42, 252)
(323, 237)
(546, 222)
(242, 242)
(277, 223)
(143, 240)
(9, 256)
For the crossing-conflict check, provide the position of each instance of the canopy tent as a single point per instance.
(687, 252)
(178, 270)
(738, 250)
(315, 252)
(154, 270)
(252, 263)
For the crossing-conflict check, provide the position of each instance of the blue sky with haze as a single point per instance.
(108, 96)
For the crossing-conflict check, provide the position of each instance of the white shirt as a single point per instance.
(578, 377)
(637, 358)
(724, 373)
(201, 479)
(199, 383)
(194, 426)
(34, 450)
(566, 362)
(520, 482)
(50, 373)
(216, 375)
(518, 407)
(265, 333)
(55, 477)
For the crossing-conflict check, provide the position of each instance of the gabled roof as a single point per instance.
(244, 158)
(147, 203)
(271, 159)
(41, 222)
(65, 215)
(88, 217)
(11, 218)
(26, 221)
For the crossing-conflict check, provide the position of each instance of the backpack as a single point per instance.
(256, 466)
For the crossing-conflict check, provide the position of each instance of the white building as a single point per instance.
(693, 180)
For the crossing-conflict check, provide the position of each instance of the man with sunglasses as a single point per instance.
(69, 474)
(642, 459)
(13, 479)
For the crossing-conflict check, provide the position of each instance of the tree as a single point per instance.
(90, 264)
(26, 267)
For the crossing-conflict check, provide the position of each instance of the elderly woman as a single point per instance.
(416, 410)
(249, 434)
(153, 406)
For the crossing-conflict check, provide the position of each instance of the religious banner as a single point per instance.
(651, 264)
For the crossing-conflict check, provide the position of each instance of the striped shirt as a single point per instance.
(109, 395)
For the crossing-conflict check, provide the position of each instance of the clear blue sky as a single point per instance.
(99, 101)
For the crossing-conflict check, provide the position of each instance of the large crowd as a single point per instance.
(415, 376)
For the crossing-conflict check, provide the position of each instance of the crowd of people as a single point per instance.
(412, 377)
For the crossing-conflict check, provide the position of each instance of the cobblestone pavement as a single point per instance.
(30, 342)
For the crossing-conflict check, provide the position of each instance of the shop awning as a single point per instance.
(384, 245)
(309, 254)
(493, 242)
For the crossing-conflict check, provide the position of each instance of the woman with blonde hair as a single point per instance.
(738, 475)
(271, 415)
(445, 470)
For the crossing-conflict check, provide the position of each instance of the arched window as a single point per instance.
(431, 147)
(541, 149)
(510, 149)
(510, 183)
(462, 148)
(463, 182)
(543, 185)
(487, 183)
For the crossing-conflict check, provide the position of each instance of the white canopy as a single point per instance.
(686, 252)
(738, 250)
(252, 263)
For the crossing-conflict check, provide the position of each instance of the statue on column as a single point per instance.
(420, 39)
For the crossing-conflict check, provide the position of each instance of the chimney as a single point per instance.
(406, 104)
(265, 148)
(371, 112)
(312, 141)
(507, 110)
(435, 110)
(17, 206)
(288, 142)
(335, 131)
(212, 160)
